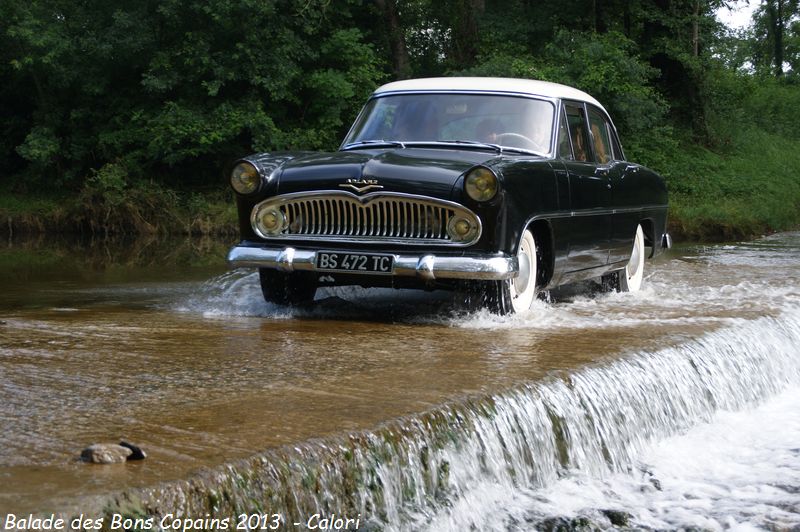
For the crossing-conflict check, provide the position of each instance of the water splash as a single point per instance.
(234, 293)
(719, 287)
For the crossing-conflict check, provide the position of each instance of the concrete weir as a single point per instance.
(411, 472)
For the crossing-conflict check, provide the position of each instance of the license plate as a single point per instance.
(354, 262)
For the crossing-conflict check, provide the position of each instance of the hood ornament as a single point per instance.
(361, 185)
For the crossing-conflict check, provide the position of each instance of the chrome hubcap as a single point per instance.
(521, 280)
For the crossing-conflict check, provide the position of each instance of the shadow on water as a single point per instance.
(34, 269)
(36, 255)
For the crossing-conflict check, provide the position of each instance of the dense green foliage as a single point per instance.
(174, 89)
(134, 110)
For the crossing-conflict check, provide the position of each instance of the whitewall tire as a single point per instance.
(522, 288)
(630, 277)
(517, 294)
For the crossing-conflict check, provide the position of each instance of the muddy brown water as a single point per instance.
(168, 350)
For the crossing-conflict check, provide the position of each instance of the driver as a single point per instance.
(535, 134)
(488, 130)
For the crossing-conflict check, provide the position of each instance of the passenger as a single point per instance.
(600, 145)
(414, 122)
(578, 144)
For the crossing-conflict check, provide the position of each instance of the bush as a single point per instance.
(112, 203)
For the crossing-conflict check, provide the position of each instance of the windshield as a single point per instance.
(508, 121)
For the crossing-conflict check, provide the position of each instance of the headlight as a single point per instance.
(245, 178)
(481, 184)
(461, 229)
(270, 221)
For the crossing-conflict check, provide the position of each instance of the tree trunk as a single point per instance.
(599, 22)
(775, 12)
(696, 29)
(779, 40)
(465, 31)
(401, 64)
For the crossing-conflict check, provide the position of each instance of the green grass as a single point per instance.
(136, 210)
(750, 189)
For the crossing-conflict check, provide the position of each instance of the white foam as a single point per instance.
(739, 471)
(601, 439)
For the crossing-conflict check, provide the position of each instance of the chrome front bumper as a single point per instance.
(426, 267)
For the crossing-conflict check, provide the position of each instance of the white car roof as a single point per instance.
(504, 85)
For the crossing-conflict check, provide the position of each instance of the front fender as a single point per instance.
(530, 191)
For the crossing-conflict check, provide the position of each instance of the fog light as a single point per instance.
(245, 178)
(270, 222)
(461, 229)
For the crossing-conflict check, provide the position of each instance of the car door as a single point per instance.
(590, 195)
(622, 176)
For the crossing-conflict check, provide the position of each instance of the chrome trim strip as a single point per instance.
(427, 267)
(597, 212)
(339, 216)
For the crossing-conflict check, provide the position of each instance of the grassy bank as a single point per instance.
(751, 188)
(745, 189)
(139, 208)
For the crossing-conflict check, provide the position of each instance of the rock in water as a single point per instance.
(136, 452)
(106, 453)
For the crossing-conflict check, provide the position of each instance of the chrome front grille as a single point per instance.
(376, 217)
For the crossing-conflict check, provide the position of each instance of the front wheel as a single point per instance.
(515, 295)
(629, 278)
(295, 288)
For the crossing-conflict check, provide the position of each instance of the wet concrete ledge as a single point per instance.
(322, 477)
(597, 419)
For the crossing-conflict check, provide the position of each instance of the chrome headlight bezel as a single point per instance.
(268, 221)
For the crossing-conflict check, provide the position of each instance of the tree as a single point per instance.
(180, 84)
(773, 26)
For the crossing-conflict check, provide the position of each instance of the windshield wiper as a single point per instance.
(473, 143)
(523, 150)
(499, 148)
(372, 144)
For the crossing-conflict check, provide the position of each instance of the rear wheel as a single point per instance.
(295, 288)
(517, 294)
(629, 278)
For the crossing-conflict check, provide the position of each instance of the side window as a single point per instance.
(564, 143)
(618, 155)
(602, 143)
(578, 132)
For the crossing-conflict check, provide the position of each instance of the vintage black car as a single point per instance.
(502, 187)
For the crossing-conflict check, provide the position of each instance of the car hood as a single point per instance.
(432, 172)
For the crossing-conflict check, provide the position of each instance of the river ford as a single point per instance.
(675, 407)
